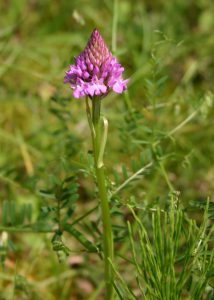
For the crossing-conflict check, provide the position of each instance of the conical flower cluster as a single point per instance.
(95, 71)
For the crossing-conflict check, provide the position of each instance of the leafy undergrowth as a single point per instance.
(159, 155)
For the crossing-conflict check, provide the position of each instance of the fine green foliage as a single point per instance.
(158, 158)
(174, 261)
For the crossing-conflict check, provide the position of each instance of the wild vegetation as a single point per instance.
(159, 163)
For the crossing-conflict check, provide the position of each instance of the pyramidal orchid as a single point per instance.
(95, 72)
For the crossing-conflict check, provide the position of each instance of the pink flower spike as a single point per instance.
(95, 71)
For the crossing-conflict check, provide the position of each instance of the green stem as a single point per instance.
(105, 211)
(114, 27)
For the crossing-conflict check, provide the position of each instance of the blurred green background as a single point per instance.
(166, 48)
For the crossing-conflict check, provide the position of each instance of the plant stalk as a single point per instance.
(104, 204)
